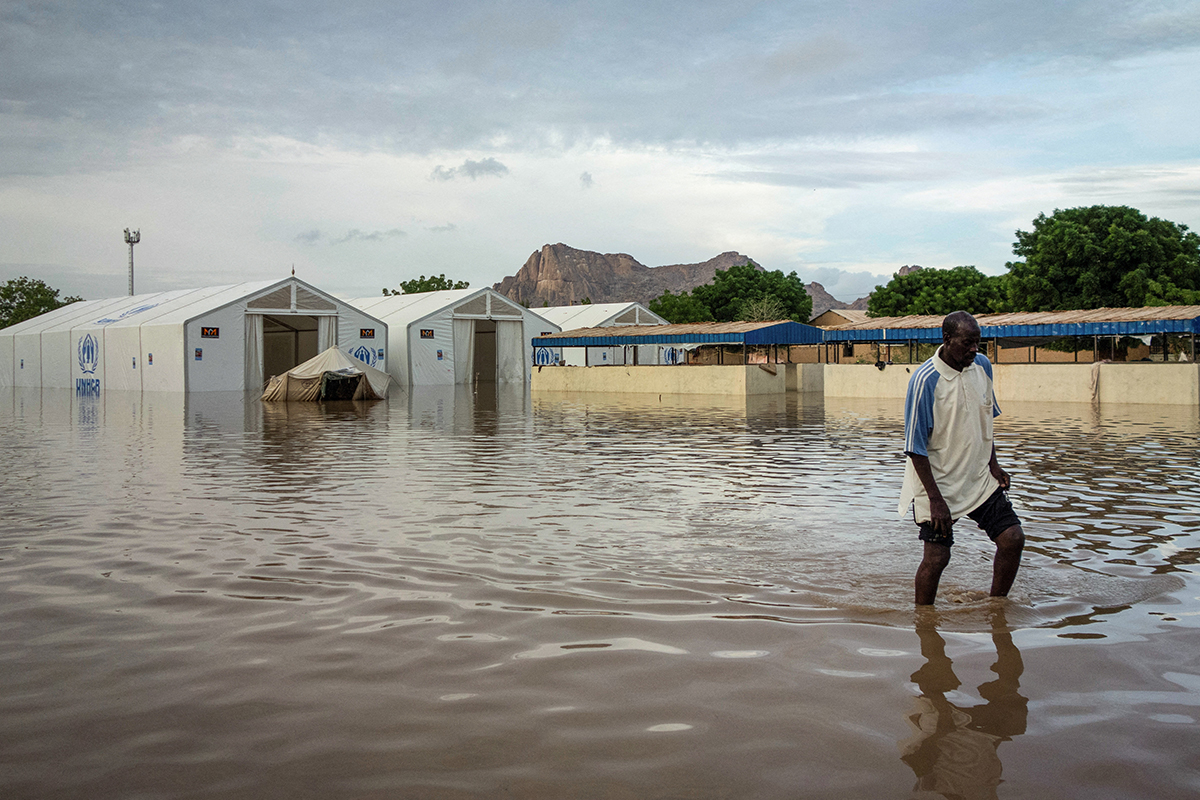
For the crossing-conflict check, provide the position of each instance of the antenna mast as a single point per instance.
(131, 239)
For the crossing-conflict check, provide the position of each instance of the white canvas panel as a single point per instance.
(220, 366)
(574, 356)
(7, 364)
(605, 356)
(163, 355)
(425, 368)
(26, 351)
(58, 357)
(464, 350)
(512, 365)
(647, 354)
(123, 359)
(372, 348)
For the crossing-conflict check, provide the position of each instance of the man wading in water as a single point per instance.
(952, 470)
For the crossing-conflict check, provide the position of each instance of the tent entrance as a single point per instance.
(488, 351)
(287, 341)
(484, 368)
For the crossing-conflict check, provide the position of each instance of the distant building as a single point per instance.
(599, 315)
(838, 316)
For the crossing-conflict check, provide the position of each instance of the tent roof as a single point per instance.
(334, 360)
(405, 309)
(159, 308)
(593, 315)
(776, 332)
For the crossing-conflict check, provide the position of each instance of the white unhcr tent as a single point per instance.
(457, 336)
(331, 375)
(220, 338)
(603, 315)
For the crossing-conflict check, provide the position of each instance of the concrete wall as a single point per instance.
(733, 380)
(804, 378)
(1137, 383)
(1169, 384)
(864, 380)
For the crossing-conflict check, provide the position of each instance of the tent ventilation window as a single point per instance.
(280, 298)
(475, 308)
(503, 309)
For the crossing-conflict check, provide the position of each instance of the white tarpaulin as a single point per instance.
(306, 381)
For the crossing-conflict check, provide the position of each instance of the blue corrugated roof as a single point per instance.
(777, 333)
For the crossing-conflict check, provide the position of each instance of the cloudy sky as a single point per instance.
(369, 142)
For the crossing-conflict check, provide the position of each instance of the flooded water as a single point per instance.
(449, 596)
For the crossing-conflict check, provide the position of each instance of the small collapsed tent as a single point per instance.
(220, 338)
(457, 336)
(331, 375)
(600, 315)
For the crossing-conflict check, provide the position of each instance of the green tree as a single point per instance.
(734, 292)
(680, 308)
(24, 298)
(938, 291)
(1103, 256)
(434, 283)
(764, 309)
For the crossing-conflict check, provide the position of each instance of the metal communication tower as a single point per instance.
(131, 239)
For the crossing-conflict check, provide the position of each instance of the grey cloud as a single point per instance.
(449, 227)
(585, 179)
(470, 169)
(309, 237)
(356, 235)
(89, 84)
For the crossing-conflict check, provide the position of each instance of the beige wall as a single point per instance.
(1140, 382)
(864, 380)
(1135, 383)
(804, 378)
(736, 380)
(1170, 384)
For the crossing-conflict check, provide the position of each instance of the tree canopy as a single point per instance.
(1103, 256)
(680, 308)
(743, 292)
(434, 283)
(25, 298)
(938, 291)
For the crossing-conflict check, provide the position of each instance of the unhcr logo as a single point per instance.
(89, 361)
(365, 354)
(89, 355)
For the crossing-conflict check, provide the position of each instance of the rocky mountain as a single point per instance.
(823, 300)
(559, 275)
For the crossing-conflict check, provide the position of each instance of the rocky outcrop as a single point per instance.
(559, 275)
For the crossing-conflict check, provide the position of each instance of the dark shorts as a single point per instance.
(995, 515)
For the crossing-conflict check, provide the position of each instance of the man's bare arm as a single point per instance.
(939, 512)
(1000, 475)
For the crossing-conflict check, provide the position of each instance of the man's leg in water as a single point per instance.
(937, 556)
(1009, 545)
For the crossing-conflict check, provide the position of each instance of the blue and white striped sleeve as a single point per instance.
(983, 362)
(918, 409)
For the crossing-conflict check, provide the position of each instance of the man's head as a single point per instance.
(960, 339)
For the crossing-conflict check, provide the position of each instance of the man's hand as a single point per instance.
(1000, 475)
(939, 515)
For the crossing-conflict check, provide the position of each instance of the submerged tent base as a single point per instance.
(331, 375)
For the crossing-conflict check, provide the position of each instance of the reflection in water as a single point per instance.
(466, 592)
(953, 748)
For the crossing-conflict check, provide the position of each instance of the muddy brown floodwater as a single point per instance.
(448, 595)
